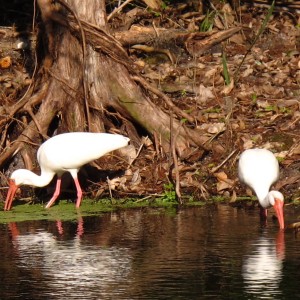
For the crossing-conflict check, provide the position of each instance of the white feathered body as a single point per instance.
(67, 152)
(73, 150)
(259, 169)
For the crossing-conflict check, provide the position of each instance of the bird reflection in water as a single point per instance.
(35, 238)
(13, 228)
(80, 227)
(66, 263)
(262, 269)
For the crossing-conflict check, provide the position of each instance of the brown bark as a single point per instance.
(140, 35)
(118, 90)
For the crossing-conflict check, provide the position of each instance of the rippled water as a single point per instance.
(214, 252)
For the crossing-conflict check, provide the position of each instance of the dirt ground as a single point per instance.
(258, 106)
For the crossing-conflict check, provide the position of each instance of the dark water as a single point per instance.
(216, 252)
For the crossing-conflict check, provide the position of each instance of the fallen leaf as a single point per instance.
(222, 185)
(154, 4)
(247, 72)
(228, 88)
(224, 182)
(136, 178)
(5, 62)
(221, 176)
(212, 128)
(205, 93)
(233, 197)
(248, 144)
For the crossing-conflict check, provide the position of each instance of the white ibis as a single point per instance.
(259, 169)
(62, 153)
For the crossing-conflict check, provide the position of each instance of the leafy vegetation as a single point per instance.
(169, 194)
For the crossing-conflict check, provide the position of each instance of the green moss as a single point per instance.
(66, 210)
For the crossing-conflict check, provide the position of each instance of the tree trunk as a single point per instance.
(89, 78)
(88, 83)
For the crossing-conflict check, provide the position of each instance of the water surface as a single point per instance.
(213, 252)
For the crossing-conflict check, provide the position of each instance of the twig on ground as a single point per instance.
(118, 9)
(223, 162)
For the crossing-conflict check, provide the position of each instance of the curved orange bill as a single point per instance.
(278, 207)
(11, 194)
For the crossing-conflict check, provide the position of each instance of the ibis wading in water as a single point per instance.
(62, 153)
(259, 169)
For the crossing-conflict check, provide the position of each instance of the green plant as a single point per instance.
(183, 120)
(270, 108)
(211, 165)
(225, 69)
(183, 93)
(255, 138)
(254, 98)
(155, 13)
(219, 198)
(208, 22)
(285, 110)
(169, 194)
(280, 159)
(165, 4)
(213, 110)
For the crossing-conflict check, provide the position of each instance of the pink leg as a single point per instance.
(79, 192)
(56, 193)
(80, 228)
(59, 227)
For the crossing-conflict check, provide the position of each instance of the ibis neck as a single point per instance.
(263, 197)
(39, 180)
